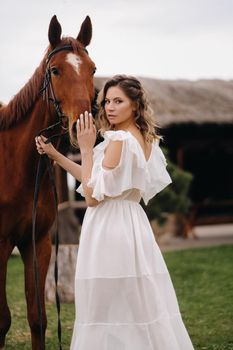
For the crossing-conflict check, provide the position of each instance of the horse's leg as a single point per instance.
(5, 316)
(43, 249)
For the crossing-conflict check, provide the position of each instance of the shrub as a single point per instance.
(174, 198)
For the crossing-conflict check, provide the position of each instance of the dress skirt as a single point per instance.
(124, 295)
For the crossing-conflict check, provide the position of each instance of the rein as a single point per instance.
(44, 162)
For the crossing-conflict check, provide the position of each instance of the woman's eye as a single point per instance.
(55, 71)
(118, 101)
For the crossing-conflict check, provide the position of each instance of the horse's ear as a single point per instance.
(85, 32)
(54, 32)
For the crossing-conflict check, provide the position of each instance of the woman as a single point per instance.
(123, 292)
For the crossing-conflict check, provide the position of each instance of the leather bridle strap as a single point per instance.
(35, 261)
(58, 49)
(48, 86)
(43, 162)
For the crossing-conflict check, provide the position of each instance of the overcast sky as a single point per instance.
(166, 39)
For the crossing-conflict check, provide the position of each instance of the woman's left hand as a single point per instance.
(45, 148)
(86, 132)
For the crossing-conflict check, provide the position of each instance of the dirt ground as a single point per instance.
(206, 236)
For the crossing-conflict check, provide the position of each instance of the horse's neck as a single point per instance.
(41, 116)
(38, 118)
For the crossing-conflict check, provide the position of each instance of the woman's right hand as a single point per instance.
(44, 148)
(86, 132)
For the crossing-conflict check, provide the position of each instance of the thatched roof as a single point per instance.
(183, 101)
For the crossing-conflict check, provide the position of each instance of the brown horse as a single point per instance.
(71, 72)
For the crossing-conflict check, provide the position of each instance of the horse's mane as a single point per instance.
(23, 100)
(19, 105)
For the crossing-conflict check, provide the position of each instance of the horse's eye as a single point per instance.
(94, 70)
(54, 71)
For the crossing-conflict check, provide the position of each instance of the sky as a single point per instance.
(162, 39)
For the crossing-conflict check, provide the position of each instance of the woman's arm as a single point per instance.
(67, 164)
(112, 155)
(71, 167)
(110, 161)
(87, 164)
(86, 136)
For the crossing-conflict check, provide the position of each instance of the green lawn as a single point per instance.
(204, 286)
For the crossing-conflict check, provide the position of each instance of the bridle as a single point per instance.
(48, 94)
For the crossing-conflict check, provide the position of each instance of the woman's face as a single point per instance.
(118, 108)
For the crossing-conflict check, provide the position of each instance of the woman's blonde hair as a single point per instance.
(133, 89)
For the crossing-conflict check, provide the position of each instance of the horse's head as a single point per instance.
(71, 71)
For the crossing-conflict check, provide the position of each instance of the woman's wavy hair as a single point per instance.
(133, 89)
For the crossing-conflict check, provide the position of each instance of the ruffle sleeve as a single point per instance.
(157, 176)
(132, 172)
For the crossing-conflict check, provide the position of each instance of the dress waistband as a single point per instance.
(116, 199)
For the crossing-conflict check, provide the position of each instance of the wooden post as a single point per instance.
(180, 157)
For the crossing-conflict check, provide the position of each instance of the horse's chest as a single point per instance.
(16, 221)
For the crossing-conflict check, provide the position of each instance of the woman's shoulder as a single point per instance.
(116, 135)
(131, 149)
(111, 135)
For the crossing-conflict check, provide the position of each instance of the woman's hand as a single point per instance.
(86, 132)
(44, 148)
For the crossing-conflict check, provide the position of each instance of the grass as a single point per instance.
(19, 334)
(204, 286)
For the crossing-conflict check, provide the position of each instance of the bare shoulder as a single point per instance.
(112, 154)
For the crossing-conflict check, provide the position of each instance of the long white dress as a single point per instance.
(124, 296)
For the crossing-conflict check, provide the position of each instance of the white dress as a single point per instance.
(124, 296)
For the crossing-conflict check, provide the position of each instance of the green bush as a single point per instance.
(174, 198)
